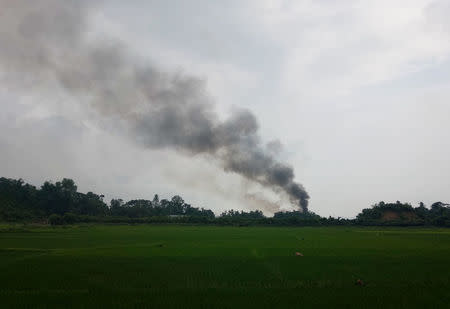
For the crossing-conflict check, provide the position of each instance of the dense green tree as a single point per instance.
(61, 202)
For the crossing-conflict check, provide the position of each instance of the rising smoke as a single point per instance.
(48, 41)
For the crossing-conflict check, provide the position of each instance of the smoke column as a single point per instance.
(43, 42)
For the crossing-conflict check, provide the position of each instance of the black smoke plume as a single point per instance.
(47, 42)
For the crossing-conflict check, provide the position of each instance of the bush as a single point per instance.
(70, 218)
(55, 219)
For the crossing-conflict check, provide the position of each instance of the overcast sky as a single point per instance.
(358, 93)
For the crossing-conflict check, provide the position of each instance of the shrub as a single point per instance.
(70, 218)
(55, 219)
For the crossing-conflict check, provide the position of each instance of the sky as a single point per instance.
(356, 92)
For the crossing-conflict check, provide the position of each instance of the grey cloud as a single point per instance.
(40, 46)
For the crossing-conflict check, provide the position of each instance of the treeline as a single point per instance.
(20, 201)
(61, 203)
(405, 214)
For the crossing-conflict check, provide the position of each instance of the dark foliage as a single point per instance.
(20, 201)
(176, 207)
(404, 214)
(60, 203)
(55, 219)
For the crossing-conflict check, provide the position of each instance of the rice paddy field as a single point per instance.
(175, 266)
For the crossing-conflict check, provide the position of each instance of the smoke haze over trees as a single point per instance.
(46, 49)
(61, 203)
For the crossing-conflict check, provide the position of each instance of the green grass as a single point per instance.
(223, 267)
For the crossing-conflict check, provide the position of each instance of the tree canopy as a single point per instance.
(60, 203)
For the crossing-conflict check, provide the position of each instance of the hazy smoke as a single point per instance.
(48, 41)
